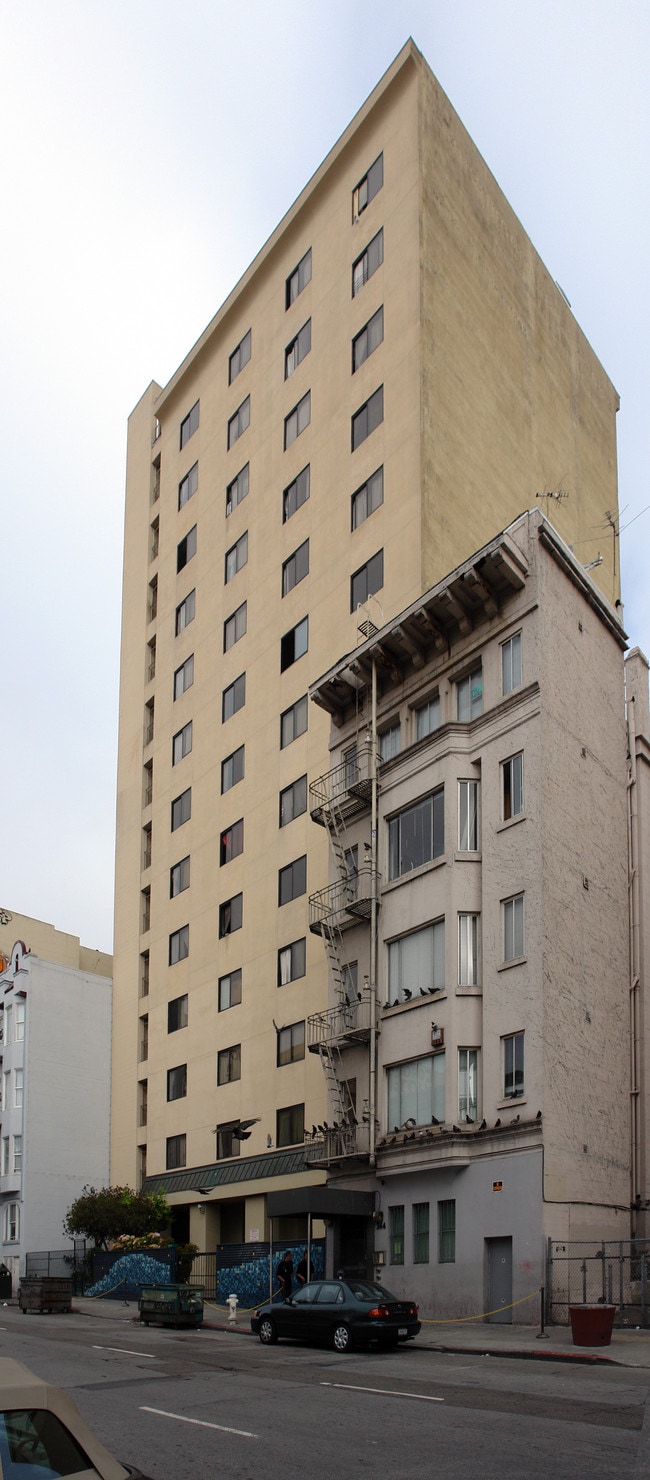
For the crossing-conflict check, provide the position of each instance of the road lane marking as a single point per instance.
(352, 1387)
(202, 1422)
(125, 1350)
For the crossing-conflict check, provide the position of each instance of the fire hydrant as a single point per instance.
(233, 1302)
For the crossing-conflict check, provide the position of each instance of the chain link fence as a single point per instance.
(608, 1273)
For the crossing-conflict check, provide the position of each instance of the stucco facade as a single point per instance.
(56, 1052)
(496, 1002)
(395, 376)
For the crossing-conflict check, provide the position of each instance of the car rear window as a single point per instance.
(33, 1441)
(369, 1293)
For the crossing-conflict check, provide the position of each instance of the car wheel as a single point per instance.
(341, 1339)
(267, 1332)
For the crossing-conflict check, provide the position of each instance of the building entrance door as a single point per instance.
(499, 1252)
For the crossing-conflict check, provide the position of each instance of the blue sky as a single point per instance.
(149, 151)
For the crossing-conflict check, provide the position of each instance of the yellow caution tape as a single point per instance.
(460, 1320)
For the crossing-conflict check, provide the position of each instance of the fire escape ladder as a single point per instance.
(333, 940)
(337, 1085)
(335, 825)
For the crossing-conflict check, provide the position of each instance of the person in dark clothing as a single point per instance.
(305, 1270)
(284, 1275)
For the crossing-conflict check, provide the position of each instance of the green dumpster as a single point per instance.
(171, 1305)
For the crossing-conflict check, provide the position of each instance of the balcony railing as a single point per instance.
(337, 1144)
(345, 1023)
(344, 903)
(348, 786)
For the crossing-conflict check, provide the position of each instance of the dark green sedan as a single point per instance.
(342, 1313)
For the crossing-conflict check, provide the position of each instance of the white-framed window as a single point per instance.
(368, 187)
(468, 832)
(511, 663)
(230, 990)
(181, 744)
(468, 1101)
(184, 677)
(417, 835)
(468, 950)
(6, 1093)
(290, 1044)
(18, 1088)
(229, 1064)
(416, 963)
(8, 1020)
(367, 498)
(292, 962)
(512, 786)
(239, 422)
(185, 613)
(19, 1020)
(11, 1223)
(5, 1156)
(236, 557)
(513, 1065)
(368, 339)
(371, 258)
(390, 741)
(239, 357)
(427, 717)
(297, 350)
(416, 1091)
(513, 928)
(18, 1153)
(469, 695)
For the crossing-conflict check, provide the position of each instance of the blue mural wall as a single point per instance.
(243, 1270)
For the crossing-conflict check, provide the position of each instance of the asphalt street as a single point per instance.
(186, 1404)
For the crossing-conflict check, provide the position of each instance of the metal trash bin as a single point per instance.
(45, 1293)
(171, 1305)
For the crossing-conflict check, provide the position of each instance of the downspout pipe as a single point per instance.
(372, 1076)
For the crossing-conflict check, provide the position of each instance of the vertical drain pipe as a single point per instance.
(634, 918)
(372, 1085)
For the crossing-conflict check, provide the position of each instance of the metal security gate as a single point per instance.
(609, 1273)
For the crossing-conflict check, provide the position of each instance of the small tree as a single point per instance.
(112, 1211)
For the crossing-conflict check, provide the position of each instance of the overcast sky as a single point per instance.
(148, 151)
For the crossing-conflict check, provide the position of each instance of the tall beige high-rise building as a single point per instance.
(395, 377)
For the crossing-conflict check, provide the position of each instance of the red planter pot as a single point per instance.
(591, 1325)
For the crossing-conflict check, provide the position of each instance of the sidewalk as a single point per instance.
(629, 1348)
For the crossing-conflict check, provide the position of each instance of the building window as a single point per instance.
(227, 1143)
(291, 1044)
(182, 743)
(421, 1233)
(367, 418)
(417, 835)
(179, 945)
(467, 1084)
(188, 486)
(416, 963)
(293, 801)
(292, 880)
(151, 660)
(149, 720)
(184, 677)
(293, 722)
(297, 349)
(371, 258)
(11, 1223)
(5, 1156)
(390, 742)
(367, 498)
(292, 962)
(298, 279)
(295, 495)
(177, 1014)
(513, 928)
(181, 809)
(147, 783)
(189, 424)
(237, 490)
(427, 718)
(144, 974)
(143, 1043)
(235, 627)
(416, 1091)
(176, 1152)
(177, 1082)
(19, 1021)
(233, 698)
(142, 1166)
(297, 420)
(468, 816)
(229, 990)
(368, 187)
(18, 1148)
(512, 785)
(447, 1231)
(230, 915)
(155, 539)
(294, 644)
(468, 945)
(368, 339)
(186, 549)
(239, 422)
(239, 357)
(513, 1065)
(179, 877)
(145, 901)
(365, 581)
(290, 1126)
(146, 846)
(152, 600)
(396, 1234)
(229, 1064)
(236, 558)
(143, 1101)
(511, 663)
(295, 568)
(185, 613)
(232, 769)
(231, 842)
(469, 695)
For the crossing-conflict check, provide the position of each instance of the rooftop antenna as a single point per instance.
(559, 494)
